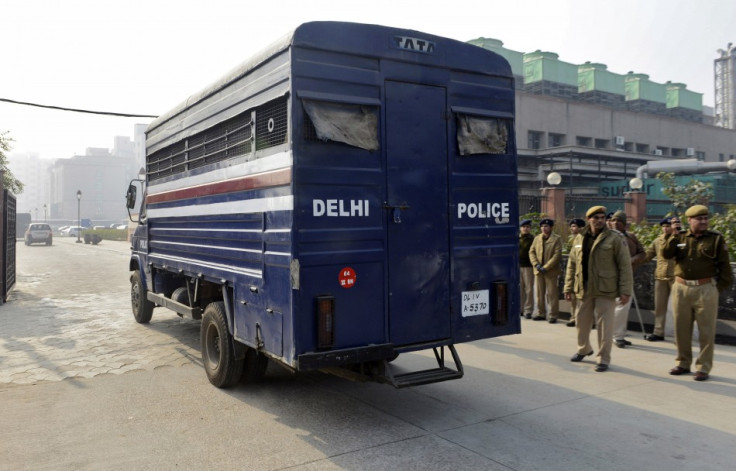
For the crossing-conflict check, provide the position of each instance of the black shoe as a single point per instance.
(570, 324)
(622, 343)
(552, 321)
(678, 370)
(700, 376)
(538, 318)
(654, 338)
(528, 316)
(600, 367)
(578, 357)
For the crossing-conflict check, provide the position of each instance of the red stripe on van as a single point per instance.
(251, 182)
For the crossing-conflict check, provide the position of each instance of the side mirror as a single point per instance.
(130, 197)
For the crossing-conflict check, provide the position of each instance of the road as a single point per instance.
(82, 386)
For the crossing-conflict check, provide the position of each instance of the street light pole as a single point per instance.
(79, 217)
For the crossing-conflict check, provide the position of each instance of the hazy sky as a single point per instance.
(146, 56)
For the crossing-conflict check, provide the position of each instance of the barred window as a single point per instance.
(266, 126)
(352, 124)
(481, 135)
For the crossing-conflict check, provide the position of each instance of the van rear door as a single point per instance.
(417, 215)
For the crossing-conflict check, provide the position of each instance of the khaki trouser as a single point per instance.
(662, 290)
(600, 309)
(621, 318)
(548, 293)
(527, 290)
(574, 307)
(698, 304)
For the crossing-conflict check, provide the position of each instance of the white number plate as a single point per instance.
(476, 303)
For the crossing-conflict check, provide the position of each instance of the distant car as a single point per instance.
(37, 233)
(73, 231)
(61, 230)
(121, 227)
(94, 228)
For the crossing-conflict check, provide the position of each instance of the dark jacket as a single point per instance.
(525, 243)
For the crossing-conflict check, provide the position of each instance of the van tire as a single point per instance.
(218, 354)
(142, 307)
(181, 296)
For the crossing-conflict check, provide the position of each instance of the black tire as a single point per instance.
(254, 366)
(142, 307)
(218, 356)
(180, 295)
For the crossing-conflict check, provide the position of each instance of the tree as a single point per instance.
(684, 196)
(10, 183)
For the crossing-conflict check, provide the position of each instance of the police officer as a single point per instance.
(636, 252)
(576, 225)
(525, 265)
(598, 272)
(546, 255)
(664, 277)
(702, 269)
(676, 225)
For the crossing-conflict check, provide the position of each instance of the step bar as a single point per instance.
(432, 375)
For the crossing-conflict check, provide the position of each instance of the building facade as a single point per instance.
(101, 176)
(593, 126)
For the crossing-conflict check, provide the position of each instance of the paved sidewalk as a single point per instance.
(48, 333)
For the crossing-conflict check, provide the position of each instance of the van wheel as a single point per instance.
(142, 307)
(254, 366)
(181, 296)
(218, 355)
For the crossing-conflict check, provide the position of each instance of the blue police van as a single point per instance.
(348, 195)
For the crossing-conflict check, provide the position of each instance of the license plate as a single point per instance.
(476, 303)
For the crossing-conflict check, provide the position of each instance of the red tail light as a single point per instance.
(325, 321)
(501, 314)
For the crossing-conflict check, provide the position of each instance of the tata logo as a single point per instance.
(413, 44)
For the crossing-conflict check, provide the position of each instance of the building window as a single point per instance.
(661, 151)
(628, 146)
(583, 141)
(721, 157)
(555, 140)
(535, 140)
(700, 155)
(602, 143)
(642, 148)
(678, 152)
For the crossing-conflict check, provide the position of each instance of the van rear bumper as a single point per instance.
(317, 360)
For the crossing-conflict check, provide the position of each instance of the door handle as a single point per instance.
(396, 210)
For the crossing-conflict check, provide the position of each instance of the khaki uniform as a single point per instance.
(609, 275)
(526, 274)
(547, 252)
(574, 304)
(621, 313)
(702, 269)
(664, 277)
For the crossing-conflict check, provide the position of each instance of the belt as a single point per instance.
(702, 281)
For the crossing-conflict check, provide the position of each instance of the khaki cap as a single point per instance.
(619, 215)
(595, 210)
(697, 210)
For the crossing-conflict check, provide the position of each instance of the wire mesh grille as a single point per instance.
(228, 140)
(271, 124)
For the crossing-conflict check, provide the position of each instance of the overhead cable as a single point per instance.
(75, 110)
